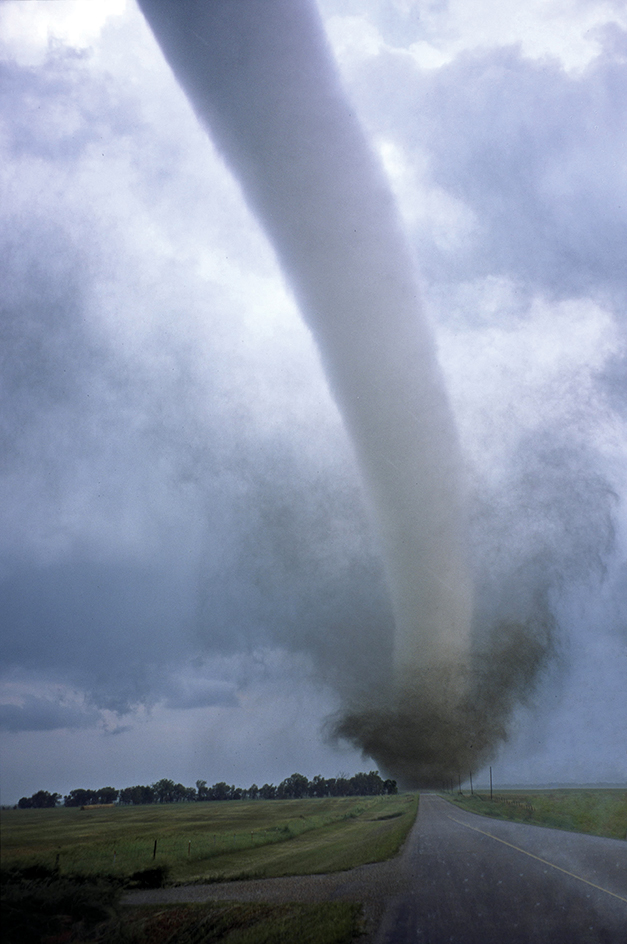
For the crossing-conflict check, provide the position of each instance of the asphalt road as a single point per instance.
(466, 879)
(474, 880)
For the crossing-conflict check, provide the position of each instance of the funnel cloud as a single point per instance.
(313, 447)
(261, 78)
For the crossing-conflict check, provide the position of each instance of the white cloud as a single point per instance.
(564, 29)
(435, 33)
(425, 207)
(28, 30)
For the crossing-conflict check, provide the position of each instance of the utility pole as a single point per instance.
(470, 772)
(490, 783)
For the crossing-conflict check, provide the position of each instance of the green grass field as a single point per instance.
(598, 812)
(237, 923)
(62, 911)
(195, 842)
(211, 841)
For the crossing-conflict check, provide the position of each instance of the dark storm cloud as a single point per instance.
(556, 513)
(618, 596)
(101, 624)
(613, 378)
(58, 380)
(44, 714)
(198, 693)
(162, 501)
(150, 514)
(280, 551)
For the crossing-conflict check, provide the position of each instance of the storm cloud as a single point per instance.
(183, 522)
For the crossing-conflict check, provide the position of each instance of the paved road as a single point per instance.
(466, 879)
(474, 880)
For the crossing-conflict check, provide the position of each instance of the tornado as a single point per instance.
(262, 80)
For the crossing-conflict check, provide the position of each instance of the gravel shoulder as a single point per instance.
(372, 885)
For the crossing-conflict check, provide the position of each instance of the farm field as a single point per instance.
(237, 923)
(598, 812)
(64, 911)
(213, 841)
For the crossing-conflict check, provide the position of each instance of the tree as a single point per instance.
(81, 797)
(137, 795)
(293, 788)
(369, 784)
(107, 795)
(180, 793)
(147, 794)
(164, 790)
(340, 788)
(318, 787)
(202, 791)
(221, 791)
(40, 800)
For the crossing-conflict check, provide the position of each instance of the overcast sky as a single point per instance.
(190, 582)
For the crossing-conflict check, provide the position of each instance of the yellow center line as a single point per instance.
(531, 855)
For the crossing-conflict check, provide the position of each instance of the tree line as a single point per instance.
(295, 787)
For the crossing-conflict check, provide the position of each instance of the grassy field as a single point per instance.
(598, 812)
(60, 910)
(64, 868)
(211, 841)
(236, 923)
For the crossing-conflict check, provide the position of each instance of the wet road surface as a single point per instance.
(474, 880)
